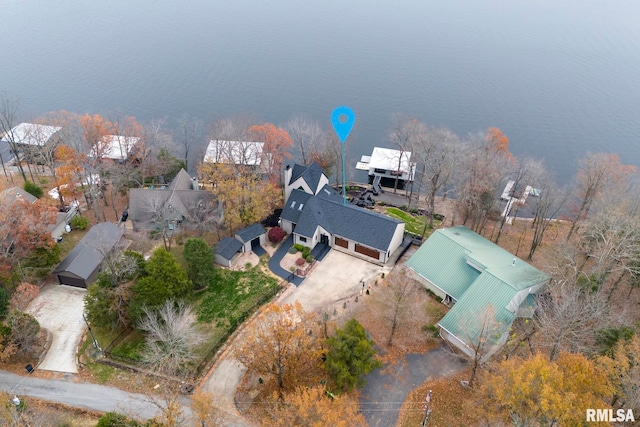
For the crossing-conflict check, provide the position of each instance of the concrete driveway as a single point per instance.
(336, 277)
(59, 309)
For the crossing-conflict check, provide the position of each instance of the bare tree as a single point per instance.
(569, 317)
(191, 130)
(172, 335)
(8, 121)
(307, 135)
(597, 173)
(548, 203)
(406, 133)
(481, 174)
(437, 155)
(394, 299)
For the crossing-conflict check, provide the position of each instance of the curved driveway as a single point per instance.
(274, 263)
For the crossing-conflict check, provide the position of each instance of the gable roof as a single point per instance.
(175, 201)
(228, 247)
(249, 233)
(12, 194)
(295, 203)
(115, 147)
(31, 134)
(351, 222)
(248, 153)
(87, 255)
(479, 274)
(310, 174)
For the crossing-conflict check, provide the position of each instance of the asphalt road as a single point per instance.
(81, 395)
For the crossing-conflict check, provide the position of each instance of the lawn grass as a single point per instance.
(131, 346)
(413, 223)
(233, 294)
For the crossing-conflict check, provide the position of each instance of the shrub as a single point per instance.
(80, 222)
(300, 261)
(403, 208)
(276, 234)
(309, 258)
(430, 329)
(292, 250)
(33, 189)
(298, 247)
(306, 252)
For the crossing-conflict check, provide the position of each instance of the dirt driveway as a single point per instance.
(336, 277)
(59, 309)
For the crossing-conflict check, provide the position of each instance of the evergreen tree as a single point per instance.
(200, 260)
(165, 279)
(351, 355)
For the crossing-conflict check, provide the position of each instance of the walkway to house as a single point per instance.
(258, 250)
(387, 388)
(274, 263)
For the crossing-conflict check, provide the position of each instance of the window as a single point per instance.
(302, 239)
(293, 204)
(301, 206)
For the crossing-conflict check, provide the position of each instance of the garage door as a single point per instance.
(72, 281)
(342, 243)
(367, 251)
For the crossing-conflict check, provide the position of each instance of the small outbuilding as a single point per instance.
(227, 251)
(251, 236)
(81, 267)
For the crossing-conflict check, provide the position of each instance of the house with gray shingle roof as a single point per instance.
(180, 204)
(81, 267)
(314, 213)
(476, 278)
(253, 235)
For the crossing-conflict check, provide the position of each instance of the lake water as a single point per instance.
(559, 77)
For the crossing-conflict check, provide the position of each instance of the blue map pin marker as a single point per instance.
(342, 120)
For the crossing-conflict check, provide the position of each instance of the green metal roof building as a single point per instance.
(488, 287)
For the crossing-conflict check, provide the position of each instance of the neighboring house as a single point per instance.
(180, 204)
(251, 236)
(385, 164)
(81, 267)
(227, 251)
(314, 213)
(13, 194)
(246, 153)
(486, 285)
(31, 139)
(31, 134)
(117, 148)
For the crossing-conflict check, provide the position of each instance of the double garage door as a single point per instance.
(363, 250)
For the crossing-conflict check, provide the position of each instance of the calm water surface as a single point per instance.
(560, 78)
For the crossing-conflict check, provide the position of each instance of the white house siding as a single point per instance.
(447, 336)
(516, 301)
(396, 240)
(297, 184)
(287, 226)
(219, 259)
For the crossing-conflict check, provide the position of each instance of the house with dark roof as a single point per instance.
(486, 286)
(227, 251)
(309, 179)
(251, 236)
(314, 213)
(180, 204)
(81, 267)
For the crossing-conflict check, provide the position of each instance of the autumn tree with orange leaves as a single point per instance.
(312, 407)
(277, 143)
(24, 227)
(284, 343)
(536, 391)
